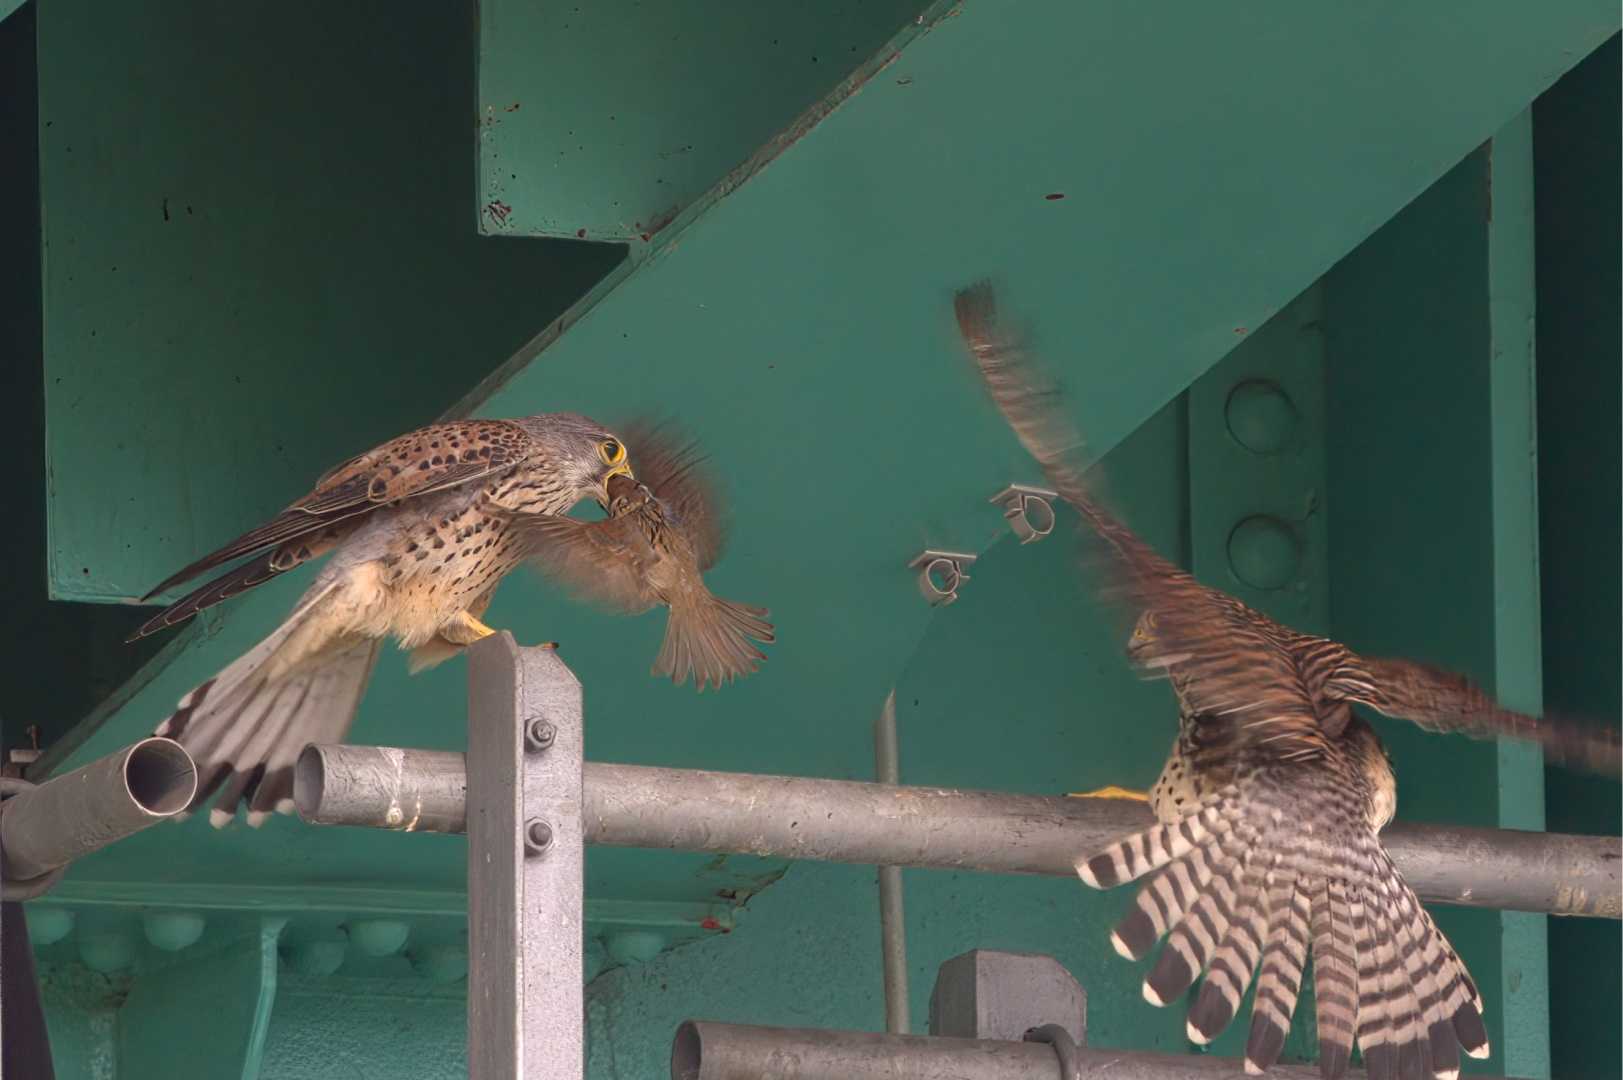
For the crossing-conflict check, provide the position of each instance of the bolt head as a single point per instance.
(537, 836)
(539, 734)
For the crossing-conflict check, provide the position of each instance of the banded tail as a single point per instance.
(710, 638)
(1238, 888)
(246, 727)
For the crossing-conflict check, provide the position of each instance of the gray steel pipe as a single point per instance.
(706, 1051)
(69, 816)
(940, 828)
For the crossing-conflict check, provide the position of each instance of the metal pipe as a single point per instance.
(892, 920)
(940, 828)
(69, 816)
(408, 790)
(707, 1051)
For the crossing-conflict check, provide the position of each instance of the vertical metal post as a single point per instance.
(892, 923)
(526, 863)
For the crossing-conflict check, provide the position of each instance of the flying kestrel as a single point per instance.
(653, 548)
(1273, 796)
(421, 531)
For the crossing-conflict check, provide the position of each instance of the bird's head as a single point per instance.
(1141, 644)
(584, 453)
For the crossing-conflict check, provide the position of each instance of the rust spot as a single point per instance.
(511, 108)
(1239, 330)
(498, 211)
(1054, 196)
(581, 233)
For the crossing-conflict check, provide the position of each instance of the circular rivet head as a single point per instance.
(379, 937)
(1261, 417)
(48, 925)
(1264, 552)
(539, 735)
(318, 957)
(440, 963)
(634, 946)
(172, 931)
(537, 836)
(106, 951)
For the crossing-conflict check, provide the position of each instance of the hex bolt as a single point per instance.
(539, 735)
(537, 836)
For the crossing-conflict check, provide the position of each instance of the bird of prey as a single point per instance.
(653, 548)
(1272, 799)
(421, 530)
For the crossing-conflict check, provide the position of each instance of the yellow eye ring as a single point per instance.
(611, 451)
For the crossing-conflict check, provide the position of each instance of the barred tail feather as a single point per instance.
(1133, 857)
(1232, 965)
(1335, 977)
(1283, 957)
(246, 726)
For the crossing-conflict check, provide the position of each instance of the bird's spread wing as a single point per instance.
(1229, 660)
(672, 466)
(417, 463)
(602, 562)
(1443, 701)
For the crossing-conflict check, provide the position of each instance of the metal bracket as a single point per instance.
(526, 865)
(1028, 510)
(950, 566)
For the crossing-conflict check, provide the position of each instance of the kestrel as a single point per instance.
(1273, 796)
(653, 548)
(420, 530)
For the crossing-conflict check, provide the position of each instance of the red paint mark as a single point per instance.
(711, 923)
(1054, 196)
(581, 233)
(499, 211)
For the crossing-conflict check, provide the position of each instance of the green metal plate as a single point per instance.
(603, 120)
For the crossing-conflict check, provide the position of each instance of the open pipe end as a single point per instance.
(309, 783)
(687, 1052)
(160, 776)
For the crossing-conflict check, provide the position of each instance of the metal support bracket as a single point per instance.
(1028, 510)
(526, 865)
(940, 574)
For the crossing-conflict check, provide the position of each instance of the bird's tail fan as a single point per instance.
(710, 638)
(1238, 888)
(246, 727)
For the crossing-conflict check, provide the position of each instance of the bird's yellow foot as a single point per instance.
(1110, 791)
(465, 630)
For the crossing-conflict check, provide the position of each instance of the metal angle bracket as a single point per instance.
(1029, 510)
(526, 865)
(940, 574)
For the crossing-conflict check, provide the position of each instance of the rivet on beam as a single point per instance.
(379, 937)
(172, 931)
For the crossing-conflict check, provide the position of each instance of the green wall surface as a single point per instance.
(1580, 381)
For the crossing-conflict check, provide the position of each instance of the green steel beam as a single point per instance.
(603, 120)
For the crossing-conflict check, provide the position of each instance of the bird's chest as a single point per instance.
(439, 563)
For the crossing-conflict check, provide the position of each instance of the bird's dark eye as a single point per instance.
(611, 452)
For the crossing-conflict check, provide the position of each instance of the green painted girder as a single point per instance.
(604, 120)
(1212, 167)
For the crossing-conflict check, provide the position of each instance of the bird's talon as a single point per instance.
(1110, 791)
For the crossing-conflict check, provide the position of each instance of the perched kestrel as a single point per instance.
(421, 531)
(1273, 796)
(653, 548)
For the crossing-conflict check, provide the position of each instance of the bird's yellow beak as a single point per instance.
(622, 469)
